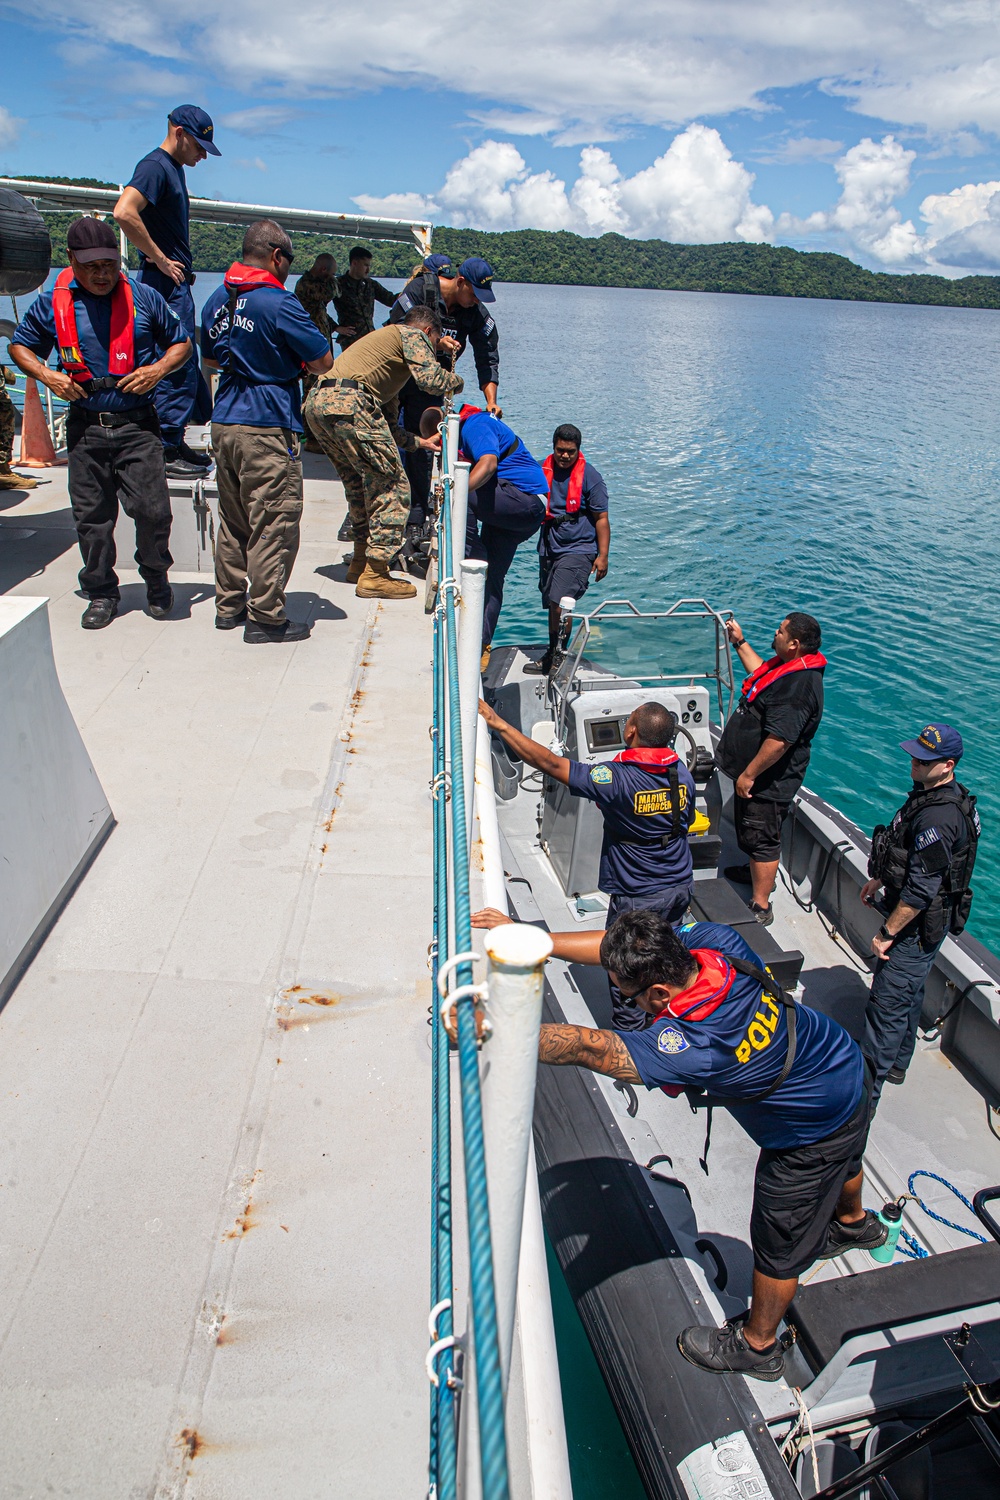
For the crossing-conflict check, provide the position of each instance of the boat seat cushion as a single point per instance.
(717, 901)
(827, 1313)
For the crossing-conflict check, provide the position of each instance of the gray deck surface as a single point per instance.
(214, 1078)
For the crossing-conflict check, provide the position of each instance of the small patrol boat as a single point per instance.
(891, 1385)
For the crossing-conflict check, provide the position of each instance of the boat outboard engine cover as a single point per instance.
(25, 247)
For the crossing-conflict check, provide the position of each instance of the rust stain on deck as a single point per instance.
(190, 1442)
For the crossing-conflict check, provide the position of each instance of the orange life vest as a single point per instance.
(121, 353)
(574, 495)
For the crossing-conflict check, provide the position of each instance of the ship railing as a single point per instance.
(477, 1438)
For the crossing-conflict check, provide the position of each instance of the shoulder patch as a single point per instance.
(671, 1040)
(926, 839)
(602, 775)
(488, 323)
(405, 301)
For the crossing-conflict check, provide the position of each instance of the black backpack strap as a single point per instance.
(234, 293)
(769, 986)
(674, 782)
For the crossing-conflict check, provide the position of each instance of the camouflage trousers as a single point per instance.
(355, 436)
(6, 429)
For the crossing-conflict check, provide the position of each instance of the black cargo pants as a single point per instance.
(122, 464)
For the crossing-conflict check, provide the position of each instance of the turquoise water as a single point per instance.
(770, 454)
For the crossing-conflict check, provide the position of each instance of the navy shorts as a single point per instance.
(562, 574)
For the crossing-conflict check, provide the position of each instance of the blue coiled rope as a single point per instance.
(489, 1387)
(913, 1247)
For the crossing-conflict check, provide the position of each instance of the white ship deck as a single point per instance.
(214, 1154)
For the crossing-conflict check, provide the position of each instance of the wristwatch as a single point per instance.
(885, 934)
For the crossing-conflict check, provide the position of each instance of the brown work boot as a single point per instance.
(9, 481)
(376, 582)
(357, 563)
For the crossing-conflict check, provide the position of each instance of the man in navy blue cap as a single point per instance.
(459, 299)
(153, 213)
(920, 868)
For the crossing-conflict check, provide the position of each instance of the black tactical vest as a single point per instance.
(892, 847)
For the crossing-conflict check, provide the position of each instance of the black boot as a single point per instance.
(725, 1351)
(289, 631)
(99, 612)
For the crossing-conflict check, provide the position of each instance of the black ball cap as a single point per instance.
(93, 239)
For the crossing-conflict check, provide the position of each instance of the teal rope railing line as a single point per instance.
(443, 1439)
(452, 884)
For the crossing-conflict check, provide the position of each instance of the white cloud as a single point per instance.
(10, 127)
(694, 193)
(261, 119)
(590, 67)
(251, 163)
(873, 174)
(800, 149)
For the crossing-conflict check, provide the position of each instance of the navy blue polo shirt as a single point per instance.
(564, 533)
(482, 434)
(272, 336)
(162, 183)
(634, 801)
(156, 328)
(740, 1049)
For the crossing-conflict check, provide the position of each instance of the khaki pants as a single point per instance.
(259, 476)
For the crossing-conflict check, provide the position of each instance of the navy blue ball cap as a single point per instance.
(935, 742)
(479, 274)
(197, 123)
(441, 265)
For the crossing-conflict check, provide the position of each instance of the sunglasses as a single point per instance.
(288, 254)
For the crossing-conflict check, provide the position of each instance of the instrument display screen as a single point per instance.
(605, 734)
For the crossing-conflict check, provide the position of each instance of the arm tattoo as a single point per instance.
(583, 1047)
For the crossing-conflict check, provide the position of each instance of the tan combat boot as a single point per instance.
(357, 563)
(377, 583)
(9, 481)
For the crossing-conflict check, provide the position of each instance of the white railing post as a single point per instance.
(472, 580)
(548, 1455)
(516, 955)
(494, 885)
(451, 440)
(460, 508)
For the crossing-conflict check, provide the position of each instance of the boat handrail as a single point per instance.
(722, 674)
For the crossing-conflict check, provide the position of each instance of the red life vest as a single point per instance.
(469, 411)
(574, 495)
(240, 277)
(769, 671)
(121, 351)
(699, 1000)
(653, 758)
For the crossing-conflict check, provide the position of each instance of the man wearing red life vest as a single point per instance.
(799, 1087)
(766, 743)
(117, 339)
(575, 538)
(646, 796)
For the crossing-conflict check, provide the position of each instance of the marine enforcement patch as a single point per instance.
(670, 1040)
(602, 775)
(646, 804)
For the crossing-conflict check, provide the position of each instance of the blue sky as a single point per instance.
(870, 132)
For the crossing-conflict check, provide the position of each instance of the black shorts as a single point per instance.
(795, 1194)
(568, 573)
(758, 827)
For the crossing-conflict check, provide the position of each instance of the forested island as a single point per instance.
(612, 260)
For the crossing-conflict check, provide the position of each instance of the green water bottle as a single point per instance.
(891, 1215)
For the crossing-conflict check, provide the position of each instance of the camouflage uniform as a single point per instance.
(315, 292)
(355, 304)
(353, 432)
(6, 427)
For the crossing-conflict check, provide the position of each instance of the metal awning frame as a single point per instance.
(54, 197)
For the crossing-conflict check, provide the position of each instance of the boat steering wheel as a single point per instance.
(692, 755)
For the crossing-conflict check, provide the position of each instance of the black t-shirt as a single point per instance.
(790, 709)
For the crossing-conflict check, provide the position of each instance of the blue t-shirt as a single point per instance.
(740, 1049)
(156, 328)
(272, 336)
(482, 434)
(577, 533)
(161, 182)
(634, 800)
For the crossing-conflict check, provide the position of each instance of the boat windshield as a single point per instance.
(683, 645)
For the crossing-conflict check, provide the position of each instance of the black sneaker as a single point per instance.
(540, 668)
(99, 612)
(724, 1351)
(868, 1234)
(739, 873)
(764, 914)
(896, 1075)
(230, 622)
(196, 456)
(288, 631)
(160, 604)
